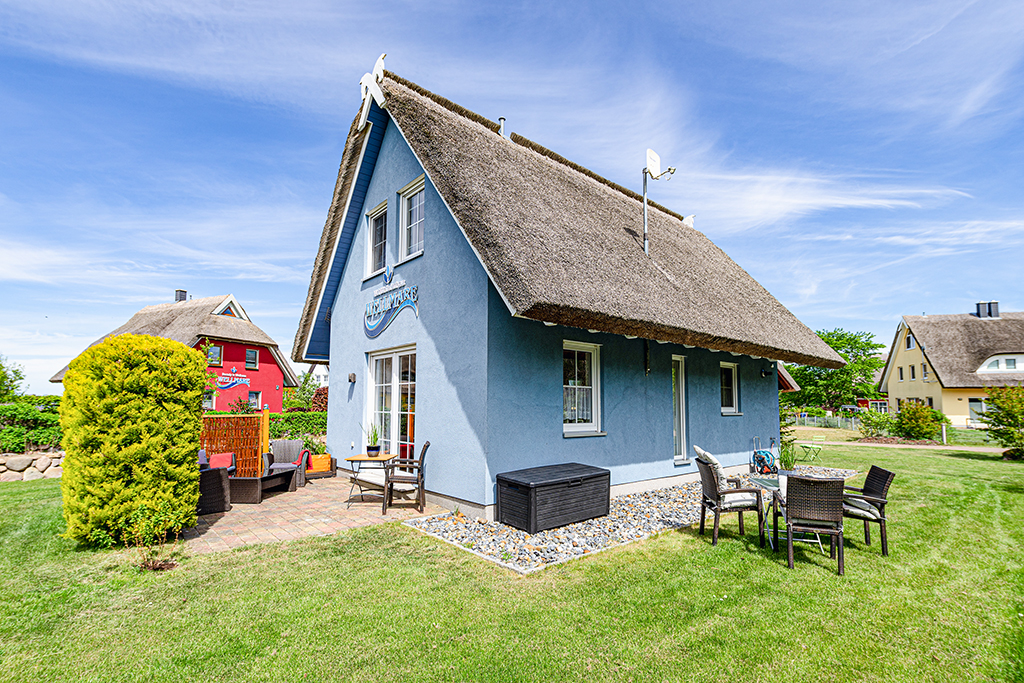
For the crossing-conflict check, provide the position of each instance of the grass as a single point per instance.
(387, 603)
(954, 436)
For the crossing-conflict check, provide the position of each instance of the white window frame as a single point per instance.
(913, 372)
(213, 399)
(220, 356)
(377, 211)
(368, 412)
(900, 372)
(924, 372)
(259, 399)
(593, 427)
(735, 408)
(910, 341)
(257, 365)
(405, 195)
(680, 458)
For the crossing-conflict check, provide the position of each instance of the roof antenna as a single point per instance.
(652, 169)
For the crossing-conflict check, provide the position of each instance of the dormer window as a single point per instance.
(994, 365)
(1000, 363)
(229, 311)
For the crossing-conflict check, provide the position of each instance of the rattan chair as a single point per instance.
(719, 499)
(214, 488)
(868, 503)
(288, 454)
(408, 474)
(812, 506)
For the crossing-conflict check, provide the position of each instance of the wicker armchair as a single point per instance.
(214, 487)
(813, 506)
(287, 454)
(868, 503)
(718, 499)
(407, 474)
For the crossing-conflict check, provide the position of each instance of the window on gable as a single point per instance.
(581, 388)
(229, 311)
(924, 371)
(252, 359)
(900, 369)
(730, 388)
(913, 372)
(910, 341)
(377, 222)
(412, 217)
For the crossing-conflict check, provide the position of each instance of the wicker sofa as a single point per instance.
(251, 489)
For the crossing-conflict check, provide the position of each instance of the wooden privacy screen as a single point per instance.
(247, 436)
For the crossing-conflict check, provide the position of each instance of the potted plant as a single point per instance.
(787, 463)
(372, 441)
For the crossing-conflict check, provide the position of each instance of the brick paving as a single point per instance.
(317, 509)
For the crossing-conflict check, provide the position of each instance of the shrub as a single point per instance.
(12, 439)
(241, 406)
(297, 425)
(24, 426)
(876, 424)
(319, 401)
(918, 421)
(1004, 417)
(131, 416)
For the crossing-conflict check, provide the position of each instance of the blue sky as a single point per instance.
(861, 160)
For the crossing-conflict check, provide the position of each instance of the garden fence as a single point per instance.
(837, 422)
(247, 436)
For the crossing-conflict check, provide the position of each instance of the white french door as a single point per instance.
(679, 407)
(392, 401)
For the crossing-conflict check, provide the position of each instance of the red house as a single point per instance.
(245, 360)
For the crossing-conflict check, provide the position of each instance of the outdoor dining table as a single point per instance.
(366, 461)
(771, 484)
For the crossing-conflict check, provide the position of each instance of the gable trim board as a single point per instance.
(623, 292)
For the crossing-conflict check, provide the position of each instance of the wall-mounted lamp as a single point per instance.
(766, 372)
(352, 377)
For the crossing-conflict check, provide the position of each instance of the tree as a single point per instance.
(1004, 417)
(843, 386)
(131, 415)
(11, 377)
(301, 396)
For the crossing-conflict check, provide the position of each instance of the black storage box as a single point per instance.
(540, 498)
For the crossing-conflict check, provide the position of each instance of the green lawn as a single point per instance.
(389, 604)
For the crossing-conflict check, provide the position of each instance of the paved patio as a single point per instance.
(317, 509)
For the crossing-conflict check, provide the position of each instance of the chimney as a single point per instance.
(982, 309)
(993, 309)
(179, 295)
(501, 126)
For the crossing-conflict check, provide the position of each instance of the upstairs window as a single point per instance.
(910, 341)
(215, 355)
(1011, 363)
(900, 369)
(252, 359)
(412, 221)
(994, 365)
(924, 371)
(377, 222)
(730, 388)
(913, 372)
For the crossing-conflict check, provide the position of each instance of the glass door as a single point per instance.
(394, 375)
(679, 407)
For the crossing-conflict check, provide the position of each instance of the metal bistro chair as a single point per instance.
(718, 499)
(812, 506)
(868, 503)
(408, 474)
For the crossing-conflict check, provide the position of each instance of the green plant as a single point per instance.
(832, 388)
(131, 416)
(918, 421)
(787, 456)
(147, 529)
(301, 396)
(11, 377)
(297, 425)
(313, 444)
(241, 406)
(12, 439)
(1004, 417)
(876, 424)
(372, 435)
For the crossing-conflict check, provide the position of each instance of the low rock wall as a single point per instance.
(30, 466)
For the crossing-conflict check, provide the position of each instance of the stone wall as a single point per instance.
(30, 466)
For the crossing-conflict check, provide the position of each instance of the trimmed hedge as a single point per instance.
(131, 414)
(22, 425)
(297, 424)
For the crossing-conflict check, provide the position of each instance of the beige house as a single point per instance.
(949, 361)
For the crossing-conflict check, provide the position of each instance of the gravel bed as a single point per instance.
(631, 518)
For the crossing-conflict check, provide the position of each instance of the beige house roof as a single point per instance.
(565, 246)
(190, 321)
(956, 345)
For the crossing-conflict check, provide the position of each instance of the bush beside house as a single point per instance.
(131, 415)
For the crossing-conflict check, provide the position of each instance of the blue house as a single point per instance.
(481, 292)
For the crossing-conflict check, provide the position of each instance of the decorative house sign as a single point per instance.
(387, 302)
(231, 379)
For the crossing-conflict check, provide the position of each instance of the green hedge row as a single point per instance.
(297, 424)
(23, 425)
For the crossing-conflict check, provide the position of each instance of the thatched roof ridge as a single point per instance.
(957, 344)
(190, 321)
(563, 245)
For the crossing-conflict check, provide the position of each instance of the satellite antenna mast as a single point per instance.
(652, 169)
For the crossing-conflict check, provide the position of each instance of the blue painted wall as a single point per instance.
(489, 386)
(449, 333)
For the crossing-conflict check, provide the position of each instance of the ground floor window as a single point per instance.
(679, 408)
(393, 400)
(581, 392)
(730, 388)
(254, 399)
(977, 408)
(207, 400)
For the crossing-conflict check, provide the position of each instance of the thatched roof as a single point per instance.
(786, 382)
(190, 321)
(956, 345)
(563, 245)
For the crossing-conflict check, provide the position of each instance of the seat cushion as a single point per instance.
(730, 501)
(864, 511)
(221, 460)
(716, 465)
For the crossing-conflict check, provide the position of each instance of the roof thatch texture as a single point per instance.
(956, 345)
(565, 246)
(188, 321)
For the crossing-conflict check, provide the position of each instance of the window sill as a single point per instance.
(680, 461)
(731, 414)
(576, 435)
(410, 257)
(373, 274)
